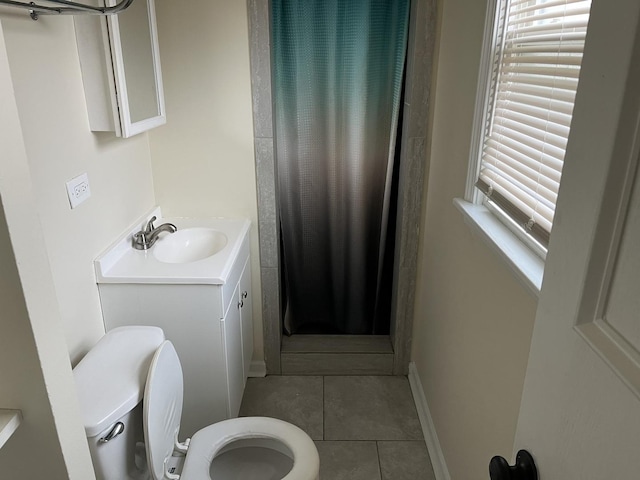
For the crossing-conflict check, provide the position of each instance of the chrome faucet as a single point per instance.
(144, 239)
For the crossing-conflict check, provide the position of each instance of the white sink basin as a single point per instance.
(201, 252)
(189, 245)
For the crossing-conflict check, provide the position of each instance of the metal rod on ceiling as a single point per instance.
(67, 8)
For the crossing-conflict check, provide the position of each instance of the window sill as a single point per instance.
(525, 264)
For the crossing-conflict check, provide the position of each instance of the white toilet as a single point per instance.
(130, 391)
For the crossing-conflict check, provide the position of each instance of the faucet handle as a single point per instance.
(150, 226)
(139, 240)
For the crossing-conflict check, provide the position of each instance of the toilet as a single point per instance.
(130, 390)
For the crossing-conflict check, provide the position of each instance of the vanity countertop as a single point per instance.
(121, 263)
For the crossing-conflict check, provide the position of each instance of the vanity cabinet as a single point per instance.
(121, 74)
(210, 327)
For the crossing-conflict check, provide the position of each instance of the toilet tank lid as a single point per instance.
(110, 379)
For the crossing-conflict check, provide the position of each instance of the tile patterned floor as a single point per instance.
(365, 427)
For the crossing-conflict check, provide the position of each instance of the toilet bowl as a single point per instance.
(130, 388)
(274, 441)
(250, 448)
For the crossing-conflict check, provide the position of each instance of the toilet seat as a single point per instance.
(162, 411)
(208, 442)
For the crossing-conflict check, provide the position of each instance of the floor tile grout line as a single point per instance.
(379, 464)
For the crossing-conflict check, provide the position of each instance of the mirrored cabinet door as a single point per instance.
(121, 70)
(136, 64)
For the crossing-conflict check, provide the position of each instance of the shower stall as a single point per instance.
(339, 137)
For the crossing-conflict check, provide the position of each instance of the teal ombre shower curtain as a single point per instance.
(338, 70)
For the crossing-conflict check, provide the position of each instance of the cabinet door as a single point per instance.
(232, 329)
(246, 317)
(120, 65)
(136, 64)
(190, 318)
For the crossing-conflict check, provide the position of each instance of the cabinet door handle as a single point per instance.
(241, 304)
(244, 294)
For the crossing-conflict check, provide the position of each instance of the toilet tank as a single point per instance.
(110, 382)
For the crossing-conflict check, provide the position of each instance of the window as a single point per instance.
(532, 62)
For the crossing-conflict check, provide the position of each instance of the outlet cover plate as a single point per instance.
(78, 190)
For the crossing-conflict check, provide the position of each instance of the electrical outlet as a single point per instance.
(78, 190)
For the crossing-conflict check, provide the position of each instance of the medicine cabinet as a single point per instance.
(121, 73)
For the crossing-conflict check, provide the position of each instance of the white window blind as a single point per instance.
(535, 75)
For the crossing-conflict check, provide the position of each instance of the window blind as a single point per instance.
(535, 75)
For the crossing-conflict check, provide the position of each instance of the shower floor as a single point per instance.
(336, 355)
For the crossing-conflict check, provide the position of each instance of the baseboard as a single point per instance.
(257, 368)
(438, 462)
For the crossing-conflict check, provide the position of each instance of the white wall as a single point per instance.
(203, 159)
(471, 355)
(203, 164)
(35, 374)
(46, 76)
(46, 397)
(473, 320)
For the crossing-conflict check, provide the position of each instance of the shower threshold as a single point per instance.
(336, 355)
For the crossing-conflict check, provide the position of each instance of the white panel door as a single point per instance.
(580, 412)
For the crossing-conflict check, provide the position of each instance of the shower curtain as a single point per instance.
(338, 70)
